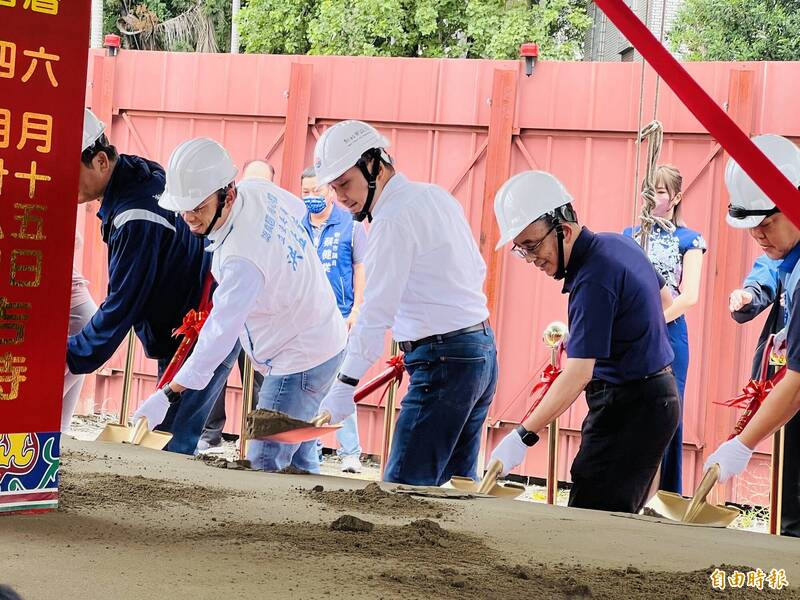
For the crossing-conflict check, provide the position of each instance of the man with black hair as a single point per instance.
(424, 279)
(618, 348)
(156, 272)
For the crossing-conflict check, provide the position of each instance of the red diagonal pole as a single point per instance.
(702, 106)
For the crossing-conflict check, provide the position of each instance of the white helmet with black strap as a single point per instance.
(197, 168)
(748, 204)
(526, 198)
(351, 144)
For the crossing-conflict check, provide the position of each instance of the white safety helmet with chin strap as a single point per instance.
(748, 204)
(351, 144)
(527, 197)
(93, 128)
(197, 168)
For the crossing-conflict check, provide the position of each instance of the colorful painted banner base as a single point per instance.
(29, 464)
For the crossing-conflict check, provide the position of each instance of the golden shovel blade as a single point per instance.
(137, 435)
(488, 485)
(694, 510)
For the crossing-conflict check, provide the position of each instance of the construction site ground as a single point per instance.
(140, 523)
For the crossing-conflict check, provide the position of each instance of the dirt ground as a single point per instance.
(137, 523)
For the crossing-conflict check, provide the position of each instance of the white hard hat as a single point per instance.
(745, 195)
(523, 199)
(93, 128)
(196, 169)
(342, 145)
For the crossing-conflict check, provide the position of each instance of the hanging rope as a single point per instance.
(654, 134)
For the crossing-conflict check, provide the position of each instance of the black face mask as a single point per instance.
(372, 178)
(221, 194)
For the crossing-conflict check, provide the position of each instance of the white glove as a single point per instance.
(732, 457)
(510, 452)
(339, 402)
(739, 299)
(154, 409)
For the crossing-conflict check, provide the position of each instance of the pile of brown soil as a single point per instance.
(89, 491)
(372, 499)
(262, 423)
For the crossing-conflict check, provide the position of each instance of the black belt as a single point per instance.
(410, 346)
(597, 383)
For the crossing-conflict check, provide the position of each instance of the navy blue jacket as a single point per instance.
(156, 269)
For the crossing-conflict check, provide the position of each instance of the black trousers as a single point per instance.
(622, 441)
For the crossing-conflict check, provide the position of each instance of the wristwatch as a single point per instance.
(529, 438)
(348, 380)
(171, 395)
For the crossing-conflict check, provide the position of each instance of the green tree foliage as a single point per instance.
(431, 28)
(737, 30)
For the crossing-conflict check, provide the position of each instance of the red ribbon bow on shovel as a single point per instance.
(751, 399)
(548, 376)
(393, 373)
(190, 330)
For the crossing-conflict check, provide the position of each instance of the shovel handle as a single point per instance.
(492, 472)
(138, 431)
(709, 479)
(322, 419)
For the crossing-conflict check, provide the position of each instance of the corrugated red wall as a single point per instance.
(466, 125)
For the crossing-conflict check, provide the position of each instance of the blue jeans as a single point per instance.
(347, 436)
(185, 418)
(672, 463)
(438, 432)
(297, 395)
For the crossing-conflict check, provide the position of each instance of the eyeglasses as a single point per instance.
(199, 209)
(526, 251)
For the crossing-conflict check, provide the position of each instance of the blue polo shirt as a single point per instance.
(615, 313)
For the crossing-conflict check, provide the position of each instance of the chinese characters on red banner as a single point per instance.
(43, 56)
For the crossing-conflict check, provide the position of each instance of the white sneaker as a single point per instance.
(351, 464)
(203, 448)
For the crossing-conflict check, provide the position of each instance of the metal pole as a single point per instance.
(776, 483)
(388, 418)
(554, 335)
(247, 403)
(235, 6)
(126, 380)
(96, 29)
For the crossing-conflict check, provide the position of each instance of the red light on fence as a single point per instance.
(530, 53)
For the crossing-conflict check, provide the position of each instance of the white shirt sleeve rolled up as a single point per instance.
(241, 284)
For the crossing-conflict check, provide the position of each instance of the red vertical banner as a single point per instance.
(43, 54)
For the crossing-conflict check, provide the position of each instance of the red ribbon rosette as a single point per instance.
(548, 376)
(751, 399)
(190, 330)
(393, 372)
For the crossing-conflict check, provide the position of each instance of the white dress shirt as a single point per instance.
(424, 272)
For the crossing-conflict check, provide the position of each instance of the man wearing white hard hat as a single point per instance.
(156, 270)
(272, 294)
(424, 280)
(618, 349)
(779, 238)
